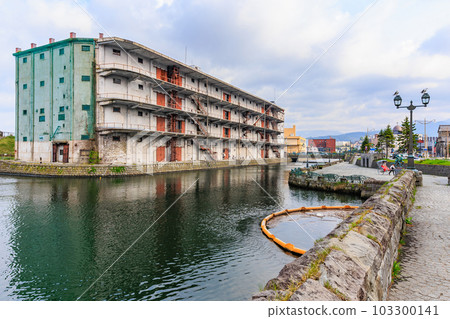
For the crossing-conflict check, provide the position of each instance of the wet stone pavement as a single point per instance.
(425, 257)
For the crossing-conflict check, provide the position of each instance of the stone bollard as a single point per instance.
(419, 178)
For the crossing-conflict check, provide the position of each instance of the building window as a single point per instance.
(42, 118)
(86, 107)
(42, 56)
(116, 52)
(61, 51)
(25, 86)
(141, 87)
(117, 81)
(64, 96)
(85, 48)
(24, 60)
(24, 138)
(61, 80)
(42, 111)
(116, 109)
(61, 108)
(217, 90)
(85, 78)
(205, 85)
(116, 138)
(84, 137)
(140, 113)
(193, 80)
(61, 117)
(42, 83)
(217, 107)
(140, 60)
(24, 112)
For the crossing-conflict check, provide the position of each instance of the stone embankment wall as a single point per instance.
(77, 170)
(354, 261)
(366, 189)
(438, 170)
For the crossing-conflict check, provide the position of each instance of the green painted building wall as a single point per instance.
(55, 96)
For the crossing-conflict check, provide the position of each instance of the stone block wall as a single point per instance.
(354, 261)
(366, 189)
(86, 170)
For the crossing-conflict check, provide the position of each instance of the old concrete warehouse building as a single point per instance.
(133, 105)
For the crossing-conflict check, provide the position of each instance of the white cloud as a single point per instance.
(263, 46)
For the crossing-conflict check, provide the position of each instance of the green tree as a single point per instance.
(403, 138)
(365, 146)
(385, 140)
(380, 144)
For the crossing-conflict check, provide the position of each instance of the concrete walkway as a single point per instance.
(350, 169)
(425, 260)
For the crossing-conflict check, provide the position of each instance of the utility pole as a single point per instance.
(424, 122)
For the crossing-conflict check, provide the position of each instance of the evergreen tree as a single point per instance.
(403, 138)
(365, 146)
(380, 144)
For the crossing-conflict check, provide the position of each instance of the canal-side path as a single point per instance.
(425, 257)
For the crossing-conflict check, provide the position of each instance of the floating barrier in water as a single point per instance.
(288, 246)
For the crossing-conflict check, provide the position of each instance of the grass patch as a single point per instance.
(313, 272)
(396, 269)
(117, 169)
(341, 296)
(318, 240)
(435, 162)
(408, 220)
(7, 146)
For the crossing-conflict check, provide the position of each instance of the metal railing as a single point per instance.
(127, 67)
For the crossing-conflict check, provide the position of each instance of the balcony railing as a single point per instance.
(127, 67)
(147, 100)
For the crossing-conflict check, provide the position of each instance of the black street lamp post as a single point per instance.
(397, 102)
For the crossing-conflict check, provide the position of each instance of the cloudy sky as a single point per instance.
(333, 65)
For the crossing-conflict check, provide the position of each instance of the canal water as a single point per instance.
(57, 236)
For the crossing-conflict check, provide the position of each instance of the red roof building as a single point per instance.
(323, 145)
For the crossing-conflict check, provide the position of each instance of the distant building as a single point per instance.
(343, 146)
(295, 144)
(133, 105)
(327, 145)
(443, 140)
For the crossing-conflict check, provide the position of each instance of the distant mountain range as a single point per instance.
(352, 136)
(432, 130)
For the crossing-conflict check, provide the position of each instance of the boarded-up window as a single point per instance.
(160, 153)
(161, 74)
(226, 153)
(178, 153)
(160, 124)
(160, 99)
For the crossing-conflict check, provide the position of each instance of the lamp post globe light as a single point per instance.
(398, 102)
